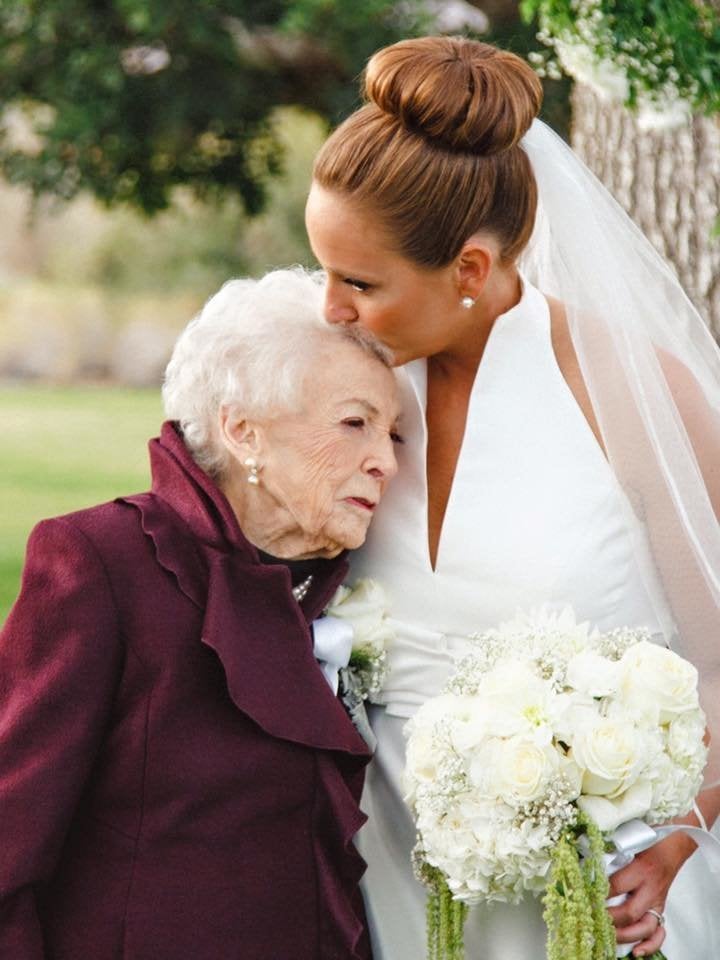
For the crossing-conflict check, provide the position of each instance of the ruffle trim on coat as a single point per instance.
(256, 628)
(176, 549)
(337, 819)
(258, 632)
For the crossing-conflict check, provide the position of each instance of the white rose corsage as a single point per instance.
(363, 607)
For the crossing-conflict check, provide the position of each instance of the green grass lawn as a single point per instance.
(64, 448)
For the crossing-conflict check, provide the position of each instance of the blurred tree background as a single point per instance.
(151, 150)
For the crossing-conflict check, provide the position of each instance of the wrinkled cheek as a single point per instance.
(313, 510)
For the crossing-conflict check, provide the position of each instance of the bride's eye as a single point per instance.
(358, 285)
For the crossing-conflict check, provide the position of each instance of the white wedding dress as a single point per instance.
(535, 517)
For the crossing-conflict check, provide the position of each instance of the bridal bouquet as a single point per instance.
(548, 736)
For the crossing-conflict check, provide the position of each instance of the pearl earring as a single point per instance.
(252, 465)
(467, 302)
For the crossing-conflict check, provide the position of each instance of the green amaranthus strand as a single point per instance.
(445, 918)
(579, 926)
(578, 923)
(598, 885)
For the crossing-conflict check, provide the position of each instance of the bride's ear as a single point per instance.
(473, 266)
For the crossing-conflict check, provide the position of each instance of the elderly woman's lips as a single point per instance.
(361, 502)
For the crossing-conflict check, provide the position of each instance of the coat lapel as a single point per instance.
(176, 549)
(250, 618)
(257, 630)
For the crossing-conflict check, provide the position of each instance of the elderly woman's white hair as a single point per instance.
(250, 349)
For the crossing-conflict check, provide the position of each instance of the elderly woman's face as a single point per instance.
(325, 465)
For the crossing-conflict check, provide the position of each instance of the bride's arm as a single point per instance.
(647, 881)
(701, 422)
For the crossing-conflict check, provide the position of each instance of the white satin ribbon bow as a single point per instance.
(332, 646)
(635, 836)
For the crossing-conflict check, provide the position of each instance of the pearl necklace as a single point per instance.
(300, 591)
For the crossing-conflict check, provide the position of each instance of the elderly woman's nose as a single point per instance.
(338, 306)
(383, 464)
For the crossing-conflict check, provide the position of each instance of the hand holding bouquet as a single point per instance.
(547, 738)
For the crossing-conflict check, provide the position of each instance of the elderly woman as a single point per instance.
(178, 780)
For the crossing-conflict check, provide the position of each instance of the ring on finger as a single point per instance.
(660, 917)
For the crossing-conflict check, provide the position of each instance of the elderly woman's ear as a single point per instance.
(242, 439)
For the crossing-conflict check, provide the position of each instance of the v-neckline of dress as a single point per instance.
(417, 372)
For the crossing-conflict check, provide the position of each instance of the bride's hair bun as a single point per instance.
(435, 156)
(461, 94)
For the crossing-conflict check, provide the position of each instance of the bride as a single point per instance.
(562, 417)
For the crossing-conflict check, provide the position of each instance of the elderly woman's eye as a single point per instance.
(396, 437)
(356, 422)
(358, 285)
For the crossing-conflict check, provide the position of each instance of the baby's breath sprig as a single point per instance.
(616, 642)
(555, 811)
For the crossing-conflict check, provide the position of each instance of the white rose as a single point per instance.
(578, 711)
(650, 671)
(421, 763)
(522, 770)
(610, 754)
(609, 814)
(473, 722)
(364, 607)
(450, 840)
(592, 674)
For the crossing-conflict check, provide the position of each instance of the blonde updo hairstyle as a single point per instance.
(435, 150)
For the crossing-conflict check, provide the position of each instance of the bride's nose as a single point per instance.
(339, 307)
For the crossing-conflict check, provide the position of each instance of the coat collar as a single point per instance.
(250, 618)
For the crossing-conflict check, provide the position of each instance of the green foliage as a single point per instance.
(667, 49)
(132, 98)
(520, 37)
(192, 247)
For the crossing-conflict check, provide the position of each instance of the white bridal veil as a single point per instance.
(652, 370)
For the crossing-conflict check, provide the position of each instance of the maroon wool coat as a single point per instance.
(177, 780)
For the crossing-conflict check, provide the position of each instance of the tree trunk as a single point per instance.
(669, 183)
